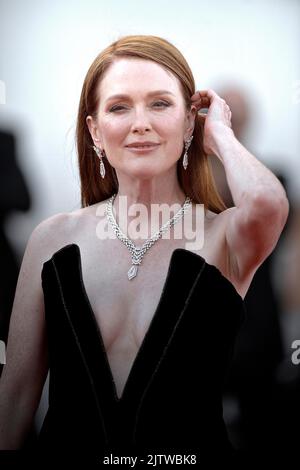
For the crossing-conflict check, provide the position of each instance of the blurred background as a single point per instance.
(248, 51)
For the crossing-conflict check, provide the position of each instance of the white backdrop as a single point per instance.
(47, 47)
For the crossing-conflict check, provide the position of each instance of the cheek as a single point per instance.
(113, 131)
(172, 124)
(166, 124)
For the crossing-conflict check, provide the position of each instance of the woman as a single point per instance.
(138, 341)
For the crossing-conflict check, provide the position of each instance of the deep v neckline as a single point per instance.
(184, 269)
(150, 332)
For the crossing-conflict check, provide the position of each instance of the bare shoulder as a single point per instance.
(64, 228)
(50, 234)
(56, 231)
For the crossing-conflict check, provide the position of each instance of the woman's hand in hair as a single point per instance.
(216, 118)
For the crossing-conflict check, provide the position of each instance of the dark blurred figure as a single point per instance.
(14, 195)
(252, 383)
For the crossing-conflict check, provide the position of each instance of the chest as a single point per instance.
(124, 308)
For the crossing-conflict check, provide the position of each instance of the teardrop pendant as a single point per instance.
(132, 272)
(185, 161)
(102, 169)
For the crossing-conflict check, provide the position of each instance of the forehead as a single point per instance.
(131, 75)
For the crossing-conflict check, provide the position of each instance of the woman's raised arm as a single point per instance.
(254, 225)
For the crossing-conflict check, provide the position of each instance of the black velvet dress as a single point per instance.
(172, 400)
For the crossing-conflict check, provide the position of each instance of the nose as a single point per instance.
(141, 122)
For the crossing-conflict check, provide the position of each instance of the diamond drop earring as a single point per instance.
(100, 153)
(187, 144)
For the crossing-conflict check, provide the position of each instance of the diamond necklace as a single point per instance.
(138, 252)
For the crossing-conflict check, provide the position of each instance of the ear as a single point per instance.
(94, 130)
(190, 121)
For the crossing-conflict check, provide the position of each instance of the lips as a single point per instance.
(142, 145)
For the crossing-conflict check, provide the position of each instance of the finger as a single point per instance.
(205, 101)
(206, 93)
(210, 93)
(198, 100)
(196, 96)
(203, 98)
(200, 103)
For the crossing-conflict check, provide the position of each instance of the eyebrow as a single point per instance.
(151, 93)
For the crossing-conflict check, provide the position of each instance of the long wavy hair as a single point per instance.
(197, 181)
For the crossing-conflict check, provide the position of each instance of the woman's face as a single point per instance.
(142, 120)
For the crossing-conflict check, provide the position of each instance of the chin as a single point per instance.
(143, 175)
(144, 171)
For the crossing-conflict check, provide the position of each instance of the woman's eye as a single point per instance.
(161, 104)
(116, 108)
